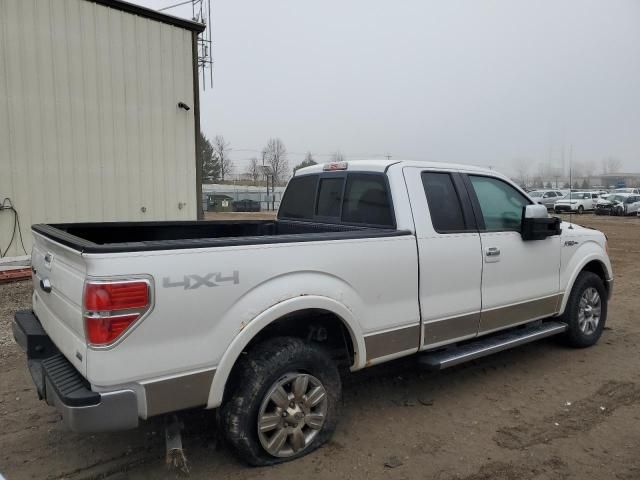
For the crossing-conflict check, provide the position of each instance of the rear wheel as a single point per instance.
(284, 403)
(580, 209)
(586, 311)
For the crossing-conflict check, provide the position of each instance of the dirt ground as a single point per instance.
(542, 411)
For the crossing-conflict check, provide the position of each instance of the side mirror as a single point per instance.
(536, 223)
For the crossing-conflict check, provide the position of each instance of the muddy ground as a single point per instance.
(538, 412)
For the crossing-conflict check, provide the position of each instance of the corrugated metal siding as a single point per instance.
(89, 124)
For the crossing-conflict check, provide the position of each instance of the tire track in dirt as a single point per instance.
(581, 416)
(552, 469)
(105, 468)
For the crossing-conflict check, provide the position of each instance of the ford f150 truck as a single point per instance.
(367, 261)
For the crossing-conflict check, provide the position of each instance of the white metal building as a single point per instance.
(98, 114)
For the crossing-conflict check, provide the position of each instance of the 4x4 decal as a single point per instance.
(193, 281)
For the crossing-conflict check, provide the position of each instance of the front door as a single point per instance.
(520, 280)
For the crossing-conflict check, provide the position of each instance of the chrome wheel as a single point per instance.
(291, 415)
(589, 311)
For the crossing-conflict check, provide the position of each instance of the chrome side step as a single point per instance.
(484, 346)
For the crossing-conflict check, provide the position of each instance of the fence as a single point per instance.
(240, 198)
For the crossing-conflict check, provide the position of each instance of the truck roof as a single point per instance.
(377, 165)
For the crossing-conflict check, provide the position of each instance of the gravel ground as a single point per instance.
(538, 412)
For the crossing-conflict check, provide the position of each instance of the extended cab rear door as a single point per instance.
(449, 255)
(520, 279)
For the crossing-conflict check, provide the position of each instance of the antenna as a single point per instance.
(201, 12)
(570, 185)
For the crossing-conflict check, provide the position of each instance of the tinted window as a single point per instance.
(501, 204)
(330, 197)
(297, 201)
(366, 200)
(444, 204)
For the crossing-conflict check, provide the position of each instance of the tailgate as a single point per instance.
(58, 282)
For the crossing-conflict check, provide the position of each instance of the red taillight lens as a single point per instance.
(103, 330)
(116, 296)
(112, 307)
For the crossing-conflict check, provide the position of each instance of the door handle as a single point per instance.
(45, 285)
(492, 252)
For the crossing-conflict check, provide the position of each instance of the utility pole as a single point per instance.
(388, 156)
(266, 175)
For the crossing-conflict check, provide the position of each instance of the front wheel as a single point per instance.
(283, 401)
(586, 311)
(580, 209)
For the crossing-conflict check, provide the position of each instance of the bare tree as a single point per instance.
(221, 152)
(611, 165)
(588, 170)
(275, 155)
(210, 165)
(521, 167)
(337, 156)
(253, 170)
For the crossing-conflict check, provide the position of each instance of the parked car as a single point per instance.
(635, 191)
(546, 197)
(366, 262)
(619, 204)
(578, 202)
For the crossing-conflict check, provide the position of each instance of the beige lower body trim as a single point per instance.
(501, 317)
(389, 343)
(178, 393)
(440, 331)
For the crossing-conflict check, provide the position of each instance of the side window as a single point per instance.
(366, 200)
(501, 204)
(444, 203)
(330, 197)
(299, 197)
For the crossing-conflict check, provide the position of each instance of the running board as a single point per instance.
(484, 346)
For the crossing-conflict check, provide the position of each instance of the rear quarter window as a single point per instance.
(299, 198)
(366, 201)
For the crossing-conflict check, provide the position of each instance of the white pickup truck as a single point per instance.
(367, 261)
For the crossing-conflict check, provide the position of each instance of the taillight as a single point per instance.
(111, 307)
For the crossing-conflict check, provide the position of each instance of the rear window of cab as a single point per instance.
(350, 198)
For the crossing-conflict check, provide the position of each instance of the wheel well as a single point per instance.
(597, 267)
(312, 325)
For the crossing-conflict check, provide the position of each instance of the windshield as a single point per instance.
(617, 198)
(578, 195)
(623, 190)
(535, 194)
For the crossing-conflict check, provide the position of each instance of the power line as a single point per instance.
(173, 6)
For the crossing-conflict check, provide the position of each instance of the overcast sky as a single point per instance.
(476, 81)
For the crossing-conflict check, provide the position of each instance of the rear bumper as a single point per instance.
(62, 386)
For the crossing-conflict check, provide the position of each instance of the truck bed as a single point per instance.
(111, 237)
